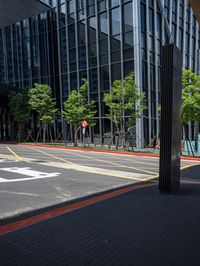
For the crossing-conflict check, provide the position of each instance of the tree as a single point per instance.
(77, 108)
(190, 98)
(124, 98)
(44, 104)
(20, 111)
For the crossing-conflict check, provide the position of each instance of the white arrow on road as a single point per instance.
(27, 171)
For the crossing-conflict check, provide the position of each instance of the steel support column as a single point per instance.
(170, 140)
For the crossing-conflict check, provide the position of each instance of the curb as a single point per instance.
(24, 220)
(90, 150)
(109, 152)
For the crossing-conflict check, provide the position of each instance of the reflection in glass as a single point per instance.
(115, 21)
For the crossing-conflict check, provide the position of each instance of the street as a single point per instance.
(32, 178)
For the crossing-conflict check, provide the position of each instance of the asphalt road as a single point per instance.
(32, 178)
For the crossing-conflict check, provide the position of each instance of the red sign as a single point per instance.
(84, 123)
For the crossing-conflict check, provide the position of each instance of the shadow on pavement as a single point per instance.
(192, 172)
(141, 227)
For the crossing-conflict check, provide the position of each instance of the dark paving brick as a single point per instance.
(138, 228)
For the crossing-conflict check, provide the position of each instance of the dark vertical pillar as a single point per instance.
(170, 135)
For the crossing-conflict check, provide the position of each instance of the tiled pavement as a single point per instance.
(140, 227)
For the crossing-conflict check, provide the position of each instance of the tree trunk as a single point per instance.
(54, 130)
(44, 133)
(196, 131)
(18, 133)
(118, 135)
(123, 133)
(47, 133)
(76, 136)
(188, 144)
(38, 135)
(50, 135)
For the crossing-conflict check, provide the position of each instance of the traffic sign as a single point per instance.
(84, 123)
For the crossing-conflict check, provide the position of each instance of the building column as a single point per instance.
(99, 76)
(63, 128)
(138, 68)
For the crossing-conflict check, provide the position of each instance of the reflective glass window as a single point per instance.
(65, 85)
(92, 29)
(127, 17)
(73, 81)
(115, 21)
(62, 12)
(103, 23)
(92, 22)
(82, 75)
(93, 80)
(81, 9)
(151, 21)
(128, 67)
(92, 49)
(71, 6)
(114, 3)
(72, 55)
(104, 78)
(103, 46)
(90, 7)
(101, 5)
(115, 44)
(116, 71)
(63, 50)
(81, 33)
(71, 33)
(128, 39)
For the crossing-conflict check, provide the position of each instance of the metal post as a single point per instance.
(170, 141)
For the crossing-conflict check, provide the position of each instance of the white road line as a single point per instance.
(76, 167)
(27, 171)
(20, 193)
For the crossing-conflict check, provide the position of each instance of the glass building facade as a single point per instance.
(101, 40)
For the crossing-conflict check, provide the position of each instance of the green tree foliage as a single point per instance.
(124, 98)
(20, 112)
(77, 108)
(190, 102)
(190, 96)
(44, 104)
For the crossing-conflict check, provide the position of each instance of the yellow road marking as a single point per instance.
(151, 177)
(116, 164)
(80, 170)
(182, 168)
(58, 158)
(97, 172)
(139, 162)
(87, 170)
(17, 156)
(188, 166)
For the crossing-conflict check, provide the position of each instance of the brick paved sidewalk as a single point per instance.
(140, 227)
